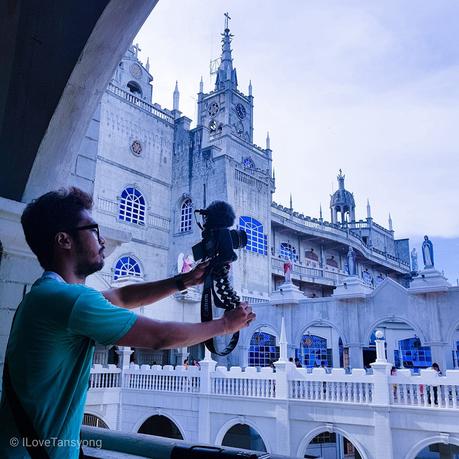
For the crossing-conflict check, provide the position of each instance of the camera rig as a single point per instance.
(217, 245)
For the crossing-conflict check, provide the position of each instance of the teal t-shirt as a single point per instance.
(49, 354)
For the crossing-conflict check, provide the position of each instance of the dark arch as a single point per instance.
(326, 444)
(94, 421)
(135, 88)
(161, 426)
(244, 436)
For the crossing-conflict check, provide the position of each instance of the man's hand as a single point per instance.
(196, 275)
(238, 318)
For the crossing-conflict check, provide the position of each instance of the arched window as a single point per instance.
(411, 354)
(256, 240)
(313, 352)
(135, 88)
(93, 421)
(132, 206)
(263, 350)
(127, 267)
(186, 214)
(288, 252)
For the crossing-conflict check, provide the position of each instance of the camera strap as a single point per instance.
(206, 314)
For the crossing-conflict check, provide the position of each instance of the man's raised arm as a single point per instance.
(135, 295)
(149, 333)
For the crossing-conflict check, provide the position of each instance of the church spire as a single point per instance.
(226, 75)
(176, 98)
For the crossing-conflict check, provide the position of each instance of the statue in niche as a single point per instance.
(351, 266)
(427, 253)
(288, 267)
(414, 260)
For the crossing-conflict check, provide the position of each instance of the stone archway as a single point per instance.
(161, 426)
(358, 451)
(416, 452)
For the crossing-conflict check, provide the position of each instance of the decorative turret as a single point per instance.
(201, 86)
(176, 98)
(368, 209)
(342, 204)
(391, 227)
(250, 88)
(268, 141)
(226, 75)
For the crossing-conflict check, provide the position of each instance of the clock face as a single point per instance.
(241, 111)
(213, 109)
(136, 147)
(213, 126)
(136, 70)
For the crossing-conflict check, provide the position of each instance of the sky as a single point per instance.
(368, 87)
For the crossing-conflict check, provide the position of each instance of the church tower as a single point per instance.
(342, 203)
(218, 160)
(226, 110)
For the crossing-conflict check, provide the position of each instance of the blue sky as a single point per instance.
(369, 87)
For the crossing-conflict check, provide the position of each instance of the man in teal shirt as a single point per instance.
(51, 344)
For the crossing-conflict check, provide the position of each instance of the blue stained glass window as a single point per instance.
(263, 350)
(127, 267)
(257, 241)
(412, 355)
(288, 252)
(186, 214)
(313, 351)
(132, 206)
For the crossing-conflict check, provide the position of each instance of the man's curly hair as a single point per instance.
(45, 216)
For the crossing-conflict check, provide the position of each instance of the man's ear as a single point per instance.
(63, 240)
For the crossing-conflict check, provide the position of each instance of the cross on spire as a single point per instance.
(227, 18)
(136, 49)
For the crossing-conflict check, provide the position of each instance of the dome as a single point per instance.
(342, 198)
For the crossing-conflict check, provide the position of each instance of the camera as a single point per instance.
(218, 245)
(218, 242)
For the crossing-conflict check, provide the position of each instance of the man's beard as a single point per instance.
(84, 267)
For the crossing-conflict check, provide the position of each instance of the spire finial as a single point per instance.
(320, 212)
(341, 178)
(250, 87)
(268, 141)
(283, 344)
(176, 98)
(147, 65)
(291, 202)
(368, 209)
(201, 85)
(391, 228)
(274, 174)
(227, 18)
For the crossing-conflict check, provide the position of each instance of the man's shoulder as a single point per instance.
(47, 289)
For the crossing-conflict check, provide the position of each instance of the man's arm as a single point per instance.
(135, 295)
(149, 333)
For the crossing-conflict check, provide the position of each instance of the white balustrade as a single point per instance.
(426, 390)
(248, 383)
(335, 386)
(104, 377)
(159, 378)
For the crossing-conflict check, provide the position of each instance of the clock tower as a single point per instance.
(225, 109)
(217, 160)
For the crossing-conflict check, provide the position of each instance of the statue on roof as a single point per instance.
(427, 253)
(351, 266)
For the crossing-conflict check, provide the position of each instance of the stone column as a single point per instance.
(440, 354)
(124, 353)
(207, 366)
(381, 401)
(355, 355)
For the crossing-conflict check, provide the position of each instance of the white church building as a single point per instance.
(339, 300)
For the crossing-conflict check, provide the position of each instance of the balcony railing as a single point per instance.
(134, 100)
(424, 390)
